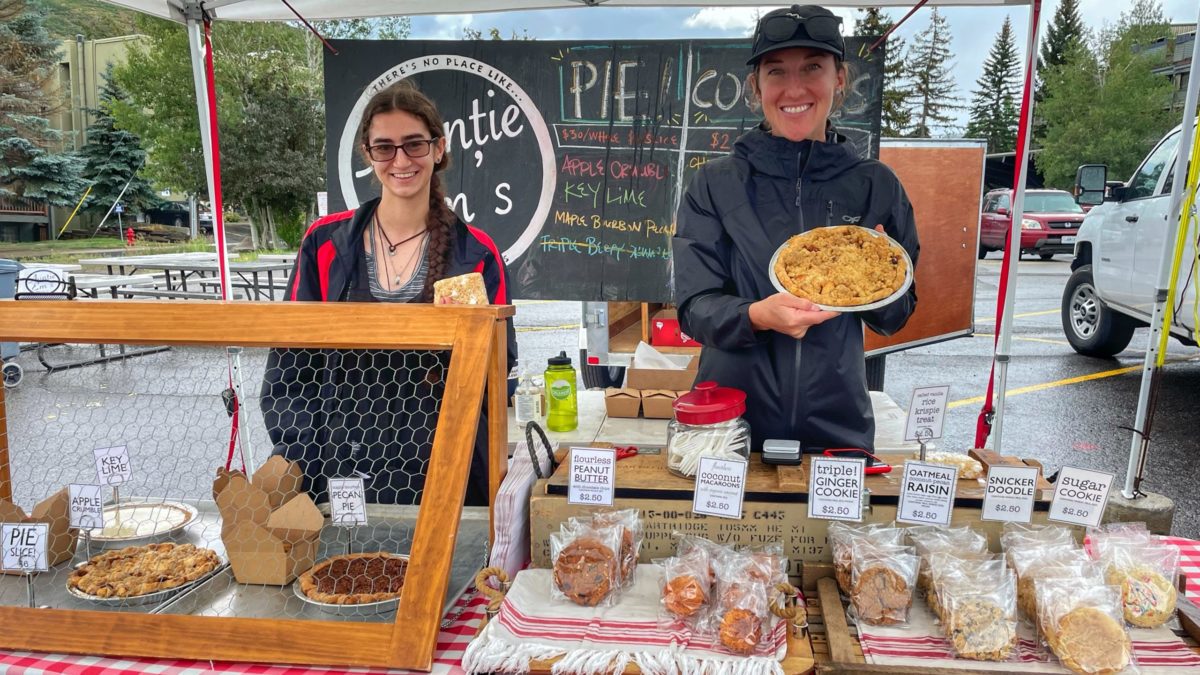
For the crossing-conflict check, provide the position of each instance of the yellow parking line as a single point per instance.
(1027, 339)
(529, 329)
(1050, 385)
(1020, 316)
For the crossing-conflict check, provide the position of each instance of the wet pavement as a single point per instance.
(1063, 408)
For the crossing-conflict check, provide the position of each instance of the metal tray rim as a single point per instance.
(908, 277)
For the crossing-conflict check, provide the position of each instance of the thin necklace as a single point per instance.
(390, 246)
(398, 279)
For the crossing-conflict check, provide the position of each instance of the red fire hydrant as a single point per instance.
(129, 236)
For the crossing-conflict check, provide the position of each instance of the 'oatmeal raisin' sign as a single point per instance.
(572, 156)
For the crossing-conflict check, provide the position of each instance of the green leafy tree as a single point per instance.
(933, 89)
(92, 19)
(1104, 104)
(1064, 32)
(113, 157)
(376, 28)
(30, 162)
(897, 112)
(994, 114)
(264, 71)
(493, 33)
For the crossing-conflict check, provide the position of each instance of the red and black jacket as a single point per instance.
(370, 413)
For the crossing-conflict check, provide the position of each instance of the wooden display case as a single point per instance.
(476, 338)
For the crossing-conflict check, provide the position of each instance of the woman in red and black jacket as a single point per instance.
(369, 413)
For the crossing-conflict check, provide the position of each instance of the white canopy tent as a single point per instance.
(194, 14)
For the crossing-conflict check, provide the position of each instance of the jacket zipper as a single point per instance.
(829, 213)
(803, 162)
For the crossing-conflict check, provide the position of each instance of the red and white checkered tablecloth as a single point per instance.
(451, 643)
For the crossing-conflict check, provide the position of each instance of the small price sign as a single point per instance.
(347, 502)
(87, 506)
(1080, 496)
(720, 486)
(835, 488)
(926, 413)
(112, 466)
(1010, 493)
(927, 493)
(593, 476)
(24, 547)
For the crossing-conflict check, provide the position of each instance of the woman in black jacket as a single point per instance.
(370, 413)
(802, 368)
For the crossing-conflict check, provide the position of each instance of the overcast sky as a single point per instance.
(974, 29)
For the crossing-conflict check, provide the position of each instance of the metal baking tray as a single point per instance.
(360, 609)
(154, 598)
(908, 278)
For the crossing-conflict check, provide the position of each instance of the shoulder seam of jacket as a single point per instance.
(331, 218)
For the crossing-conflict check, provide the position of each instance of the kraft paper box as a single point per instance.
(659, 403)
(622, 402)
(662, 378)
(55, 511)
(270, 529)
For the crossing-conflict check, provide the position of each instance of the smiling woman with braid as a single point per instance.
(372, 413)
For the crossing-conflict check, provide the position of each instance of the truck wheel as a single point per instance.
(1090, 326)
(1046, 256)
(599, 377)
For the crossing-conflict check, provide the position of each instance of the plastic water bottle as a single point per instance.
(527, 400)
(563, 413)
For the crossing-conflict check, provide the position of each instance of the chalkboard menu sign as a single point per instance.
(573, 156)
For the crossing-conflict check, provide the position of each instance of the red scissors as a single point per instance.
(624, 451)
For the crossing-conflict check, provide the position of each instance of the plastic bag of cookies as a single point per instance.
(883, 581)
(1033, 562)
(949, 571)
(981, 616)
(1082, 624)
(741, 616)
(927, 540)
(842, 537)
(1144, 574)
(631, 537)
(687, 584)
(586, 565)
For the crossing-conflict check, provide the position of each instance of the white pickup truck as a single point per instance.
(1117, 253)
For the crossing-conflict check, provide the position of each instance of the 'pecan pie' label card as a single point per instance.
(347, 502)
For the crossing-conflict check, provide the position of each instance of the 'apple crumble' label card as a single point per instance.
(87, 506)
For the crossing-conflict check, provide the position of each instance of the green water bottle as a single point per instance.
(563, 413)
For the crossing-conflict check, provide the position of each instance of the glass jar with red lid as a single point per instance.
(708, 423)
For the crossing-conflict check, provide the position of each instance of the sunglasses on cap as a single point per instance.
(823, 28)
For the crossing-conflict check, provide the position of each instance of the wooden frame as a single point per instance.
(476, 337)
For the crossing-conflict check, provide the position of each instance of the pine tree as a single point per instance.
(114, 155)
(994, 115)
(897, 114)
(1065, 29)
(933, 90)
(28, 62)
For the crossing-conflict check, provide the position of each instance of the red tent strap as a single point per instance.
(218, 203)
(312, 29)
(891, 30)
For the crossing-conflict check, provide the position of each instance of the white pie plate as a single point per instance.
(142, 520)
(908, 278)
(154, 598)
(361, 609)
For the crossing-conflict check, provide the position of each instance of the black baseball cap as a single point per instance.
(798, 26)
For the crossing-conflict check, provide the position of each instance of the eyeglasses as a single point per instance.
(386, 152)
(821, 28)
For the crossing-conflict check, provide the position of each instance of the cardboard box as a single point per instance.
(622, 402)
(658, 403)
(658, 378)
(55, 511)
(665, 332)
(270, 528)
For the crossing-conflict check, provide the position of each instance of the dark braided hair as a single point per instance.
(405, 96)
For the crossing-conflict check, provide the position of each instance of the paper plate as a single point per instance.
(142, 520)
(908, 278)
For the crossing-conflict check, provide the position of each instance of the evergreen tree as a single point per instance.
(29, 167)
(994, 114)
(113, 156)
(897, 114)
(933, 90)
(1065, 30)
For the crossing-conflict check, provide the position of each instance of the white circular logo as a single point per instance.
(348, 142)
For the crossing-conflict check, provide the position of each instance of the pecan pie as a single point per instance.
(141, 570)
(356, 579)
(841, 266)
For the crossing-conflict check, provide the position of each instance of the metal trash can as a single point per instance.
(8, 350)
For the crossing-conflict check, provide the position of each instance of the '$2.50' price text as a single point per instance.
(828, 510)
(1006, 508)
(591, 497)
(924, 515)
(1079, 513)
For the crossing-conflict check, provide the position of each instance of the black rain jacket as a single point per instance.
(737, 211)
(370, 413)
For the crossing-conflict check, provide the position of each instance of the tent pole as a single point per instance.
(1013, 254)
(1141, 440)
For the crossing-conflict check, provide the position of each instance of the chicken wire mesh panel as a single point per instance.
(182, 534)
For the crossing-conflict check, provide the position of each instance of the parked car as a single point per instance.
(1112, 289)
(169, 213)
(1049, 225)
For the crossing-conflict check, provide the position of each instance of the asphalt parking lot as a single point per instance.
(1062, 408)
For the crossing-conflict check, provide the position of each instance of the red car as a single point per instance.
(1049, 226)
